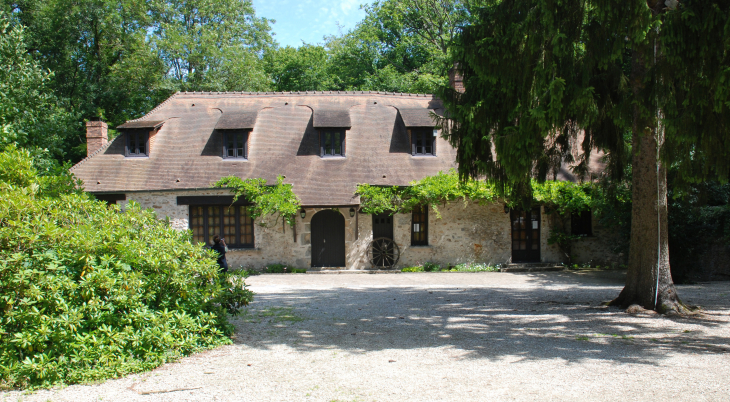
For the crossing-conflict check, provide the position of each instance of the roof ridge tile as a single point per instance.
(156, 108)
(291, 93)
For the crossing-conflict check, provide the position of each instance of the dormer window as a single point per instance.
(332, 142)
(332, 124)
(422, 141)
(138, 136)
(235, 144)
(235, 127)
(137, 143)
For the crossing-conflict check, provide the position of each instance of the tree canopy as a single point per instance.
(31, 116)
(624, 78)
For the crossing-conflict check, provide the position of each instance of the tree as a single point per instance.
(640, 77)
(117, 59)
(301, 69)
(30, 115)
(211, 45)
(400, 46)
(99, 53)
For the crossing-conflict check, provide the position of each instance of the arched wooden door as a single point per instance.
(328, 239)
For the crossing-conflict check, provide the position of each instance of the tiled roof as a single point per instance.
(186, 151)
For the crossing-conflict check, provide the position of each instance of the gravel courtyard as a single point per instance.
(445, 337)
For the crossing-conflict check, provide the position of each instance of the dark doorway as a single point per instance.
(328, 239)
(383, 226)
(525, 235)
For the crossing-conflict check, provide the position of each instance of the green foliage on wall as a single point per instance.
(275, 200)
(88, 292)
(559, 198)
(432, 190)
(563, 197)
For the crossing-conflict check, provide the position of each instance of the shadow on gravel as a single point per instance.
(485, 323)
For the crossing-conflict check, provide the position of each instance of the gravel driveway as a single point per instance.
(445, 337)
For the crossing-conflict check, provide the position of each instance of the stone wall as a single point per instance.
(464, 232)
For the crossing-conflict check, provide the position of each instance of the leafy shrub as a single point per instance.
(298, 271)
(277, 269)
(418, 268)
(88, 292)
(430, 266)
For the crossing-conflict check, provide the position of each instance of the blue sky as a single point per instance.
(309, 20)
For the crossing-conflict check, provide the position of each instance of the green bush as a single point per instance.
(412, 269)
(88, 292)
(430, 266)
(277, 269)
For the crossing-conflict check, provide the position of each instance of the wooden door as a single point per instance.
(328, 239)
(525, 235)
(383, 226)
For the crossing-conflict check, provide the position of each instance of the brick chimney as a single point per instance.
(456, 80)
(96, 136)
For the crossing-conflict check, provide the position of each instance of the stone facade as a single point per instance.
(464, 232)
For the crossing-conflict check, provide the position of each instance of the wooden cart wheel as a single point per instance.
(383, 253)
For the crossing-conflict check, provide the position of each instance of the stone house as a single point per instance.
(324, 144)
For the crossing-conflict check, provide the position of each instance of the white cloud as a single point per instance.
(347, 5)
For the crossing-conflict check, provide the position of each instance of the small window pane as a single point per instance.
(140, 144)
(229, 224)
(246, 227)
(196, 224)
(422, 141)
(332, 143)
(230, 146)
(240, 141)
(419, 227)
(214, 223)
(337, 145)
(328, 143)
(137, 143)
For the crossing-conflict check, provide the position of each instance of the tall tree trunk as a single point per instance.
(649, 279)
(649, 250)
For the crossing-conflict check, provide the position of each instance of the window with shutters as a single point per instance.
(422, 141)
(233, 223)
(137, 143)
(580, 223)
(332, 142)
(419, 226)
(235, 144)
